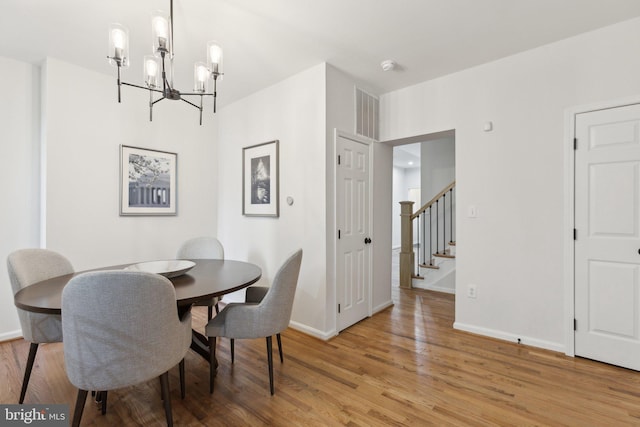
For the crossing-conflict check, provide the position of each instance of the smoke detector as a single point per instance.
(388, 65)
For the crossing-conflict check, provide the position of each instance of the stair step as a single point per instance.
(444, 255)
(452, 243)
(415, 276)
(434, 267)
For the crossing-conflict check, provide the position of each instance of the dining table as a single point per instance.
(206, 279)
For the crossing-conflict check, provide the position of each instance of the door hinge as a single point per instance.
(338, 308)
(575, 234)
(575, 324)
(338, 158)
(338, 234)
(575, 143)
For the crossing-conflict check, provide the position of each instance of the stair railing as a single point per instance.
(431, 237)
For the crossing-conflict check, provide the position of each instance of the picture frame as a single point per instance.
(260, 179)
(148, 182)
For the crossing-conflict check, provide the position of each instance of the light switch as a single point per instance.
(472, 211)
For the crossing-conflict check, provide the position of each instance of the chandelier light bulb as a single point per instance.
(160, 32)
(214, 57)
(119, 38)
(152, 68)
(118, 52)
(161, 26)
(151, 71)
(201, 75)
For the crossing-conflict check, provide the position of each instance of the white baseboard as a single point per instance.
(506, 336)
(418, 285)
(382, 306)
(11, 335)
(325, 336)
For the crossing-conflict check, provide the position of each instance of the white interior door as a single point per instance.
(607, 244)
(353, 252)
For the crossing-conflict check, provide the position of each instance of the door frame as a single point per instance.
(369, 143)
(569, 208)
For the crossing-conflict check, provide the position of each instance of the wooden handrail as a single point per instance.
(432, 201)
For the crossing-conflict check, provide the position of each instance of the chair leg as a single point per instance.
(270, 360)
(210, 313)
(280, 347)
(233, 350)
(33, 349)
(104, 402)
(212, 361)
(164, 381)
(77, 413)
(182, 382)
(217, 309)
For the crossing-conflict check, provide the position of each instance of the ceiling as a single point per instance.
(266, 41)
(407, 156)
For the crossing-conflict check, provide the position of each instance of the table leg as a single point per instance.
(199, 342)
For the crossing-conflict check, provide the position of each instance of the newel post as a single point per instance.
(406, 245)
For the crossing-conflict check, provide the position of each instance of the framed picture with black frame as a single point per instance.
(260, 180)
(148, 182)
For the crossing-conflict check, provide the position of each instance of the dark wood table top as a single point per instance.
(208, 278)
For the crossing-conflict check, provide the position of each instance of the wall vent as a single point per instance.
(367, 114)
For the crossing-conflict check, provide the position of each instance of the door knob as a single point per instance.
(367, 240)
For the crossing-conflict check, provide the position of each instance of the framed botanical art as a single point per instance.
(147, 181)
(260, 180)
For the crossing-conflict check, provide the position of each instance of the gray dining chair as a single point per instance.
(26, 267)
(203, 248)
(122, 328)
(255, 295)
(269, 317)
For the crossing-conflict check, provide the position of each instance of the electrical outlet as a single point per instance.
(472, 291)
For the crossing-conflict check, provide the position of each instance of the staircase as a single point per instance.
(428, 247)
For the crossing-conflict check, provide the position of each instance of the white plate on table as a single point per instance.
(167, 268)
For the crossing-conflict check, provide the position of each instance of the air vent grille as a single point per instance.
(367, 114)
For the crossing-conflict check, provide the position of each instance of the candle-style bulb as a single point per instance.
(118, 52)
(161, 33)
(214, 58)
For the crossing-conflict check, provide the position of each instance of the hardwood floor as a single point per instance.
(404, 366)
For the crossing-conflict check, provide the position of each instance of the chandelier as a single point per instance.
(158, 67)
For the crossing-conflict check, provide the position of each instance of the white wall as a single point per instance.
(438, 164)
(83, 128)
(19, 151)
(293, 112)
(514, 174)
(403, 180)
(302, 112)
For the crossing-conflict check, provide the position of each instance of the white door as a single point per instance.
(607, 244)
(353, 255)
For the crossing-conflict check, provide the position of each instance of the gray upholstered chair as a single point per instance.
(255, 295)
(203, 248)
(26, 267)
(122, 328)
(265, 319)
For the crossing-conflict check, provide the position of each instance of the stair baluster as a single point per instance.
(430, 236)
(451, 216)
(444, 223)
(437, 228)
(418, 248)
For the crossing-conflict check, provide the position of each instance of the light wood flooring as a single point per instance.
(404, 366)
